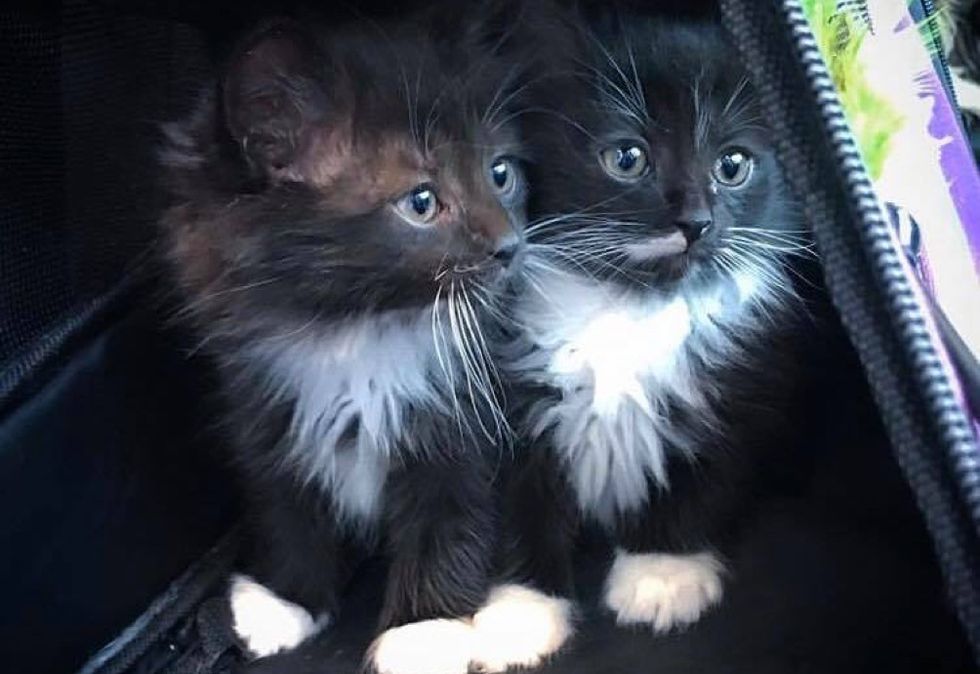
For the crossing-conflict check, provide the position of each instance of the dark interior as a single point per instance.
(112, 478)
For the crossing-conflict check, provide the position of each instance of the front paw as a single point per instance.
(519, 627)
(442, 646)
(663, 591)
(265, 622)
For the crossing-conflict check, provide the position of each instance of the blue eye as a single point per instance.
(420, 206)
(626, 161)
(627, 158)
(733, 168)
(422, 202)
(503, 175)
(500, 174)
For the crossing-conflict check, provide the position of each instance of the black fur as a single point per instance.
(680, 67)
(284, 227)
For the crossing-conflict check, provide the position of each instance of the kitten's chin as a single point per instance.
(662, 273)
(673, 269)
(664, 260)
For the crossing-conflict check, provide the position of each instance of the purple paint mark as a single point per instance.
(957, 165)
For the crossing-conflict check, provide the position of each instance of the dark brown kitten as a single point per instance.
(346, 209)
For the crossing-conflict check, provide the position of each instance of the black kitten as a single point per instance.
(649, 364)
(347, 202)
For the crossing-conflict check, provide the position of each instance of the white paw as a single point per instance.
(427, 647)
(265, 622)
(519, 627)
(663, 591)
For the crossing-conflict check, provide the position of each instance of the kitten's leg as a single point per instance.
(440, 536)
(667, 572)
(292, 572)
(530, 617)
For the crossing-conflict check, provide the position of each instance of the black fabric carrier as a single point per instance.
(930, 432)
(120, 521)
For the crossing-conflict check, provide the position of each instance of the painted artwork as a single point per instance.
(888, 66)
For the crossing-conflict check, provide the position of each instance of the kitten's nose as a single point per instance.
(507, 249)
(693, 213)
(694, 224)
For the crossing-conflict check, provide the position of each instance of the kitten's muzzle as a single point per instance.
(507, 249)
(660, 246)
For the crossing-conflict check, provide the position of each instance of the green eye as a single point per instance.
(626, 161)
(733, 168)
(420, 206)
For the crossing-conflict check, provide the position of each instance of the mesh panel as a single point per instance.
(82, 91)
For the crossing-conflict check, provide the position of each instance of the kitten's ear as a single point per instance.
(272, 93)
(480, 25)
(516, 30)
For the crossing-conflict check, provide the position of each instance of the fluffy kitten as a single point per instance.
(346, 209)
(649, 364)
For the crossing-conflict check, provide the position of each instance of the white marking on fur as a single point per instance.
(619, 358)
(428, 647)
(519, 627)
(352, 388)
(663, 591)
(621, 346)
(657, 247)
(267, 623)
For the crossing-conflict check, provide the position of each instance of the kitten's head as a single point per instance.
(344, 172)
(662, 171)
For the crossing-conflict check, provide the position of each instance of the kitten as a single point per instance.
(347, 202)
(649, 363)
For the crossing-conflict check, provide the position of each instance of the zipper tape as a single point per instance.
(871, 287)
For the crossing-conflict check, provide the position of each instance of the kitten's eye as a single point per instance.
(504, 175)
(626, 161)
(420, 206)
(733, 168)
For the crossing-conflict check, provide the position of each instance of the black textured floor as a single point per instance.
(835, 578)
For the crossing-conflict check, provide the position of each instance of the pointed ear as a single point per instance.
(272, 93)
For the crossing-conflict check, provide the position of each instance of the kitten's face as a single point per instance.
(370, 179)
(667, 173)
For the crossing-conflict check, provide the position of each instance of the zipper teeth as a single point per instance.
(937, 42)
(905, 312)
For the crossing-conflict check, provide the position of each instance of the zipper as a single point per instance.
(884, 257)
(929, 9)
(881, 307)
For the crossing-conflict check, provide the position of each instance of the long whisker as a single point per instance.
(464, 347)
(739, 88)
(491, 375)
(442, 354)
(190, 307)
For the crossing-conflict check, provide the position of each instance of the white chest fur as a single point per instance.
(618, 359)
(351, 389)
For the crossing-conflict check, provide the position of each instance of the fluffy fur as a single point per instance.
(266, 623)
(621, 361)
(346, 208)
(352, 387)
(519, 626)
(426, 647)
(650, 360)
(663, 591)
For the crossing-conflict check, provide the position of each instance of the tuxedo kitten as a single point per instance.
(347, 202)
(651, 357)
